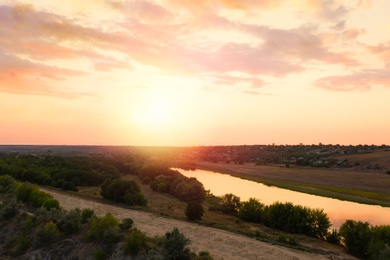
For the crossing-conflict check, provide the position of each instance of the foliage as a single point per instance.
(31, 195)
(194, 210)
(174, 245)
(99, 254)
(9, 209)
(62, 172)
(104, 229)
(126, 224)
(251, 210)
(70, 222)
(123, 191)
(333, 237)
(297, 219)
(86, 215)
(357, 236)
(48, 234)
(7, 184)
(230, 203)
(204, 255)
(135, 242)
(163, 179)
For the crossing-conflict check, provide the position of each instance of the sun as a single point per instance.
(153, 114)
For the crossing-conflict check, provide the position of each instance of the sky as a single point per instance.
(189, 72)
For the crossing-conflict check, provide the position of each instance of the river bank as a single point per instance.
(364, 187)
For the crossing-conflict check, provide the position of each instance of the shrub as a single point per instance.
(51, 203)
(99, 254)
(204, 255)
(123, 191)
(48, 234)
(251, 210)
(70, 223)
(7, 184)
(9, 209)
(135, 242)
(357, 236)
(126, 224)
(333, 237)
(194, 210)
(104, 229)
(86, 215)
(230, 203)
(174, 245)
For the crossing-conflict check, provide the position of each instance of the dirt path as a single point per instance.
(219, 243)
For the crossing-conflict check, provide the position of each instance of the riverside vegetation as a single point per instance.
(360, 239)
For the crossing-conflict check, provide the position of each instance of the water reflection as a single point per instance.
(337, 210)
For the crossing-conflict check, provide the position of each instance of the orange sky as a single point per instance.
(188, 72)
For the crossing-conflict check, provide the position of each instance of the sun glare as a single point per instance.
(153, 114)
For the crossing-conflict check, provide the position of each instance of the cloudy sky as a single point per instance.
(189, 72)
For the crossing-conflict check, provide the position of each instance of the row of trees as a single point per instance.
(60, 172)
(360, 239)
(284, 216)
(366, 241)
(162, 179)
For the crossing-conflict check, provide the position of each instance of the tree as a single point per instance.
(251, 210)
(123, 191)
(230, 203)
(7, 184)
(174, 245)
(357, 236)
(194, 210)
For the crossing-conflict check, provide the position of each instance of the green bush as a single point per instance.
(204, 255)
(123, 191)
(9, 209)
(48, 234)
(357, 236)
(31, 195)
(230, 203)
(104, 229)
(126, 224)
(251, 210)
(7, 184)
(86, 215)
(194, 210)
(70, 223)
(135, 242)
(174, 245)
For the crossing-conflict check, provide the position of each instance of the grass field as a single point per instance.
(368, 187)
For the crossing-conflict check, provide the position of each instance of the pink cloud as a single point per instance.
(21, 76)
(363, 81)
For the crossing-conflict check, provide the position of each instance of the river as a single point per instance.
(337, 210)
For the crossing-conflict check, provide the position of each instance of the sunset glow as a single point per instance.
(180, 73)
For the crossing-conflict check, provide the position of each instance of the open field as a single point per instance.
(220, 243)
(369, 187)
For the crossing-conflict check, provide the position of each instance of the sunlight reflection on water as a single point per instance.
(337, 210)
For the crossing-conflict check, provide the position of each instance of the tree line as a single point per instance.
(360, 238)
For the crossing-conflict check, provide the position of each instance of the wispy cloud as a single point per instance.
(362, 81)
(184, 37)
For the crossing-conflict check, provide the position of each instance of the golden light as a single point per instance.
(153, 114)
